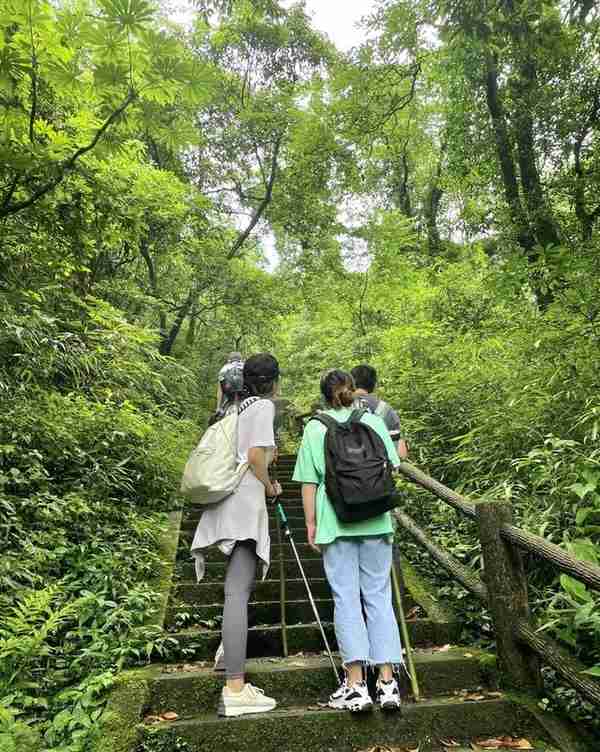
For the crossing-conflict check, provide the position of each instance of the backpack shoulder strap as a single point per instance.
(247, 402)
(325, 420)
(358, 414)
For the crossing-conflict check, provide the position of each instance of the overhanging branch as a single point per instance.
(261, 208)
(66, 166)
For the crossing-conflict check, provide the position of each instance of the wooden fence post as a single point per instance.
(507, 595)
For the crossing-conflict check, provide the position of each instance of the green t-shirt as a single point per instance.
(310, 468)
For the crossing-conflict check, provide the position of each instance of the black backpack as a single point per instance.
(358, 472)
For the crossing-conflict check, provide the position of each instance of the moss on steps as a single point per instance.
(201, 644)
(310, 677)
(296, 730)
(268, 590)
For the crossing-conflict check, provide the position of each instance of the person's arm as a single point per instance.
(402, 449)
(219, 394)
(309, 494)
(257, 460)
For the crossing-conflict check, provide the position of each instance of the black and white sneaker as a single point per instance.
(337, 700)
(358, 699)
(388, 694)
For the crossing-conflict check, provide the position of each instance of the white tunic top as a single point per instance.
(243, 515)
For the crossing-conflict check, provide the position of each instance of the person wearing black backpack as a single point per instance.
(345, 465)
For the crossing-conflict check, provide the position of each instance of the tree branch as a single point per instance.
(260, 209)
(34, 81)
(65, 167)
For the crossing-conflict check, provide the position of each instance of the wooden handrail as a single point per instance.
(505, 588)
(535, 544)
(460, 503)
(459, 571)
(553, 655)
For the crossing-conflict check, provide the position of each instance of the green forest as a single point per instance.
(428, 202)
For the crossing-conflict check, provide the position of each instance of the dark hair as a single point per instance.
(338, 388)
(365, 377)
(261, 373)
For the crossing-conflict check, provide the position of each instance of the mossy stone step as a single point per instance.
(215, 554)
(296, 729)
(259, 612)
(308, 677)
(216, 570)
(265, 640)
(296, 522)
(265, 590)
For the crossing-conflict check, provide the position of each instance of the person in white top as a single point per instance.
(239, 526)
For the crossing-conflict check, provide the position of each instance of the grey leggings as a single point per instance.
(239, 583)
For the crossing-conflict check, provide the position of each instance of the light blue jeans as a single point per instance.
(355, 567)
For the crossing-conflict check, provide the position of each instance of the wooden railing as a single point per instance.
(521, 648)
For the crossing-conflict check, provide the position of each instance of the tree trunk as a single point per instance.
(153, 281)
(504, 152)
(539, 213)
(168, 340)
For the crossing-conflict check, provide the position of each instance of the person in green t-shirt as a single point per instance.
(357, 558)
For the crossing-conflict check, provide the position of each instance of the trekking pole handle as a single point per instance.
(281, 514)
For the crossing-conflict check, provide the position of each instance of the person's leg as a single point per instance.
(375, 564)
(239, 582)
(340, 560)
(342, 571)
(237, 697)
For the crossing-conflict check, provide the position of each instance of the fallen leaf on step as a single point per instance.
(169, 716)
(494, 694)
(316, 707)
(298, 663)
(413, 613)
(442, 649)
(449, 743)
(504, 742)
(473, 697)
(468, 655)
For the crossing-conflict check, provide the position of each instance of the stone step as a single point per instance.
(216, 570)
(215, 554)
(265, 640)
(295, 520)
(259, 612)
(193, 596)
(308, 677)
(267, 590)
(298, 729)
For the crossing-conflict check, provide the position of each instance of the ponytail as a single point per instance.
(338, 388)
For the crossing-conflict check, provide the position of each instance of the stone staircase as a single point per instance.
(458, 700)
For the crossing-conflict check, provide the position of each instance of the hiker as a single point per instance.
(365, 378)
(239, 526)
(230, 384)
(357, 557)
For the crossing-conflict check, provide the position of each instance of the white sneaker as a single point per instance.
(354, 697)
(388, 694)
(337, 700)
(250, 700)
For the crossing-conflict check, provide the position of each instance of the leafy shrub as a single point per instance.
(92, 440)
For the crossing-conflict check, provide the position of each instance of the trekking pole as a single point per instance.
(405, 637)
(288, 534)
